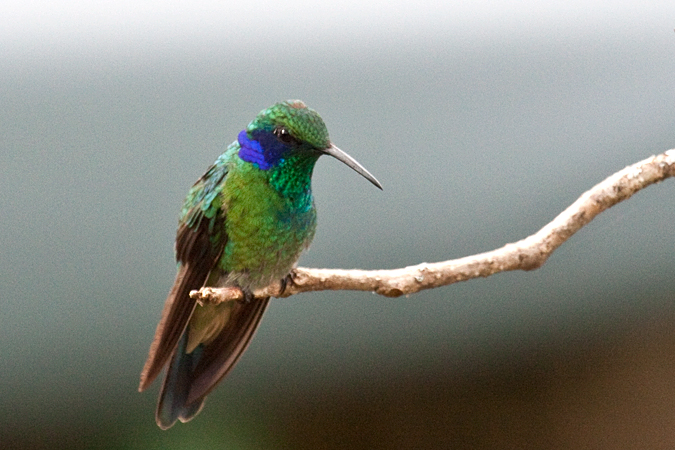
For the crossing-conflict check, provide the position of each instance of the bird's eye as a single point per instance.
(285, 136)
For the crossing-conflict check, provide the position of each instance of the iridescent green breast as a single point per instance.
(266, 230)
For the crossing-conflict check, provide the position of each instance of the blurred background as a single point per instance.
(483, 120)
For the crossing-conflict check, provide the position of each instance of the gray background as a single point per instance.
(482, 122)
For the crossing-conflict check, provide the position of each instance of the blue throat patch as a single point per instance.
(264, 150)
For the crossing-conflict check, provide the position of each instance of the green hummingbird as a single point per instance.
(244, 224)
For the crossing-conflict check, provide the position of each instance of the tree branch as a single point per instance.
(527, 254)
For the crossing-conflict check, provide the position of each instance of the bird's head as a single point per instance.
(291, 131)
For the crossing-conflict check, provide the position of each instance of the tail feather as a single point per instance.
(173, 397)
(191, 376)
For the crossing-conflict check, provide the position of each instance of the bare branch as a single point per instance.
(527, 254)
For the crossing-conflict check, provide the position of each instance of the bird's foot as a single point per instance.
(287, 281)
(248, 296)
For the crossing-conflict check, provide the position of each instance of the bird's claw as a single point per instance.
(286, 281)
(248, 296)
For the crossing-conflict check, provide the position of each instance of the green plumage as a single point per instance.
(244, 223)
(266, 226)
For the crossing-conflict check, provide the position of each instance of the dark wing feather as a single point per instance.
(199, 243)
(221, 355)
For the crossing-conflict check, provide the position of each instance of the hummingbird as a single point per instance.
(243, 224)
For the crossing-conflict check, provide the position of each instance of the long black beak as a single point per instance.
(351, 162)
